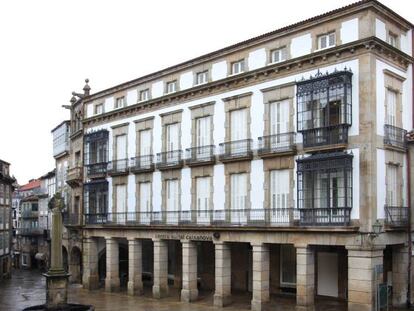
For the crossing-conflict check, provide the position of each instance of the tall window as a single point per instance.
(96, 200)
(203, 126)
(96, 147)
(326, 40)
(202, 77)
(391, 107)
(99, 108)
(171, 87)
(238, 191)
(237, 67)
(392, 185)
(238, 123)
(203, 198)
(279, 189)
(121, 200)
(144, 95)
(393, 39)
(145, 142)
(121, 147)
(120, 102)
(279, 117)
(172, 196)
(278, 55)
(145, 197)
(173, 138)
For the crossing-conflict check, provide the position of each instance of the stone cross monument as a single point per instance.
(56, 277)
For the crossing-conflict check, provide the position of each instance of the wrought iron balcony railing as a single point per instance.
(334, 216)
(118, 167)
(200, 155)
(169, 159)
(30, 231)
(395, 136)
(396, 216)
(97, 169)
(277, 144)
(325, 136)
(30, 214)
(141, 164)
(70, 219)
(74, 177)
(236, 150)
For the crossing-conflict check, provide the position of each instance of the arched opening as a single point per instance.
(65, 259)
(75, 266)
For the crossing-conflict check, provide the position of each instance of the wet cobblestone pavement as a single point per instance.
(27, 288)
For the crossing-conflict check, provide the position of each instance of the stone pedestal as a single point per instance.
(305, 278)
(261, 277)
(90, 277)
(56, 288)
(222, 295)
(160, 287)
(112, 283)
(135, 286)
(189, 291)
(399, 275)
(362, 281)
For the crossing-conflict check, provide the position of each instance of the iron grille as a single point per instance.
(395, 136)
(169, 159)
(96, 197)
(201, 154)
(236, 149)
(142, 163)
(396, 215)
(277, 143)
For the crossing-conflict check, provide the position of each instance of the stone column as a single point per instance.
(160, 287)
(189, 291)
(90, 277)
(399, 275)
(112, 283)
(261, 276)
(362, 263)
(222, 295)
(305, 278)
(135, 286)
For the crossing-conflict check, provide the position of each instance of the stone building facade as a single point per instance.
(276, 166)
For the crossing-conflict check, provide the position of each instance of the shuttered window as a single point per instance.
(238, 120)
(145, 142)
(172, 195)
(279, 189)
(391, 107)
(238, 191)
(203, 131)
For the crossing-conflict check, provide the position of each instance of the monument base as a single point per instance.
(56, 288)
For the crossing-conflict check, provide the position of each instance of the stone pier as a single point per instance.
(189, 291)
(135, 286)
(261, 276)
(90, 277)
(222, 295)
(160, 287)
(112, 283)
(305, 278)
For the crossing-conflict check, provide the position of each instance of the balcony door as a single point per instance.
(145, 202)
(203, 137)
(172, 197)
(173, 139)
(279, 197)
(121, 204)
(203, 200)
(330, 197)
(121, 152)
(238, 211)
(238, 131)
(279, 123)
(391, 106)
(145, 142)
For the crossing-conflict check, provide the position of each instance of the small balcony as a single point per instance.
(74, 177)
(30, 231)
(70, 219)
(395, 137)
(142, 164)
(203, 155)
(275, 145)
(396, 216)
(97, 170)
(118, 167)
(329, 137)
(170, 160)
(96, 219)
(30, 214)
(334, 216)
(237, 150)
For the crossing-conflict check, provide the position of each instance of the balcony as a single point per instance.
(30, 214)
(70, 219)
(74, 177)
(203, 155)
(237, 150)
(169, 160)
(214, 218)
(97, 170)
(30, 231)
(325, 216)
(279, 144)
(142, 164)
(118, 167)
(329, 137)
(396, 216)
(395, 137)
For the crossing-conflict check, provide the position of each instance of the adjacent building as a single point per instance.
(275, 166)
(6, 190)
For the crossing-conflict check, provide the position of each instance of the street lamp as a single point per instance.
(377, 228)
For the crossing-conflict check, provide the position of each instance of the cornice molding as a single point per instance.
(371, 44)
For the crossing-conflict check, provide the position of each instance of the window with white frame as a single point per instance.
(171, 87)
(120, 102)
(145, 142)
(202, 77)
(278, 55)
(145, 198)
(392, 185)
(203, 127)
(144, 95)
(391, 107)
(203, 196)
(172, 197)
(279, 117)
(238, 124)
(279, 189)
(121, 199)
(393, 39)
(238, 191)
(99, 109)
(173, 138)
(326, 40)
(237, 67)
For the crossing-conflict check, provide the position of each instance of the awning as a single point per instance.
(40, 256)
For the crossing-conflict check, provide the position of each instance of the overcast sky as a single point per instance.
(48, 48)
